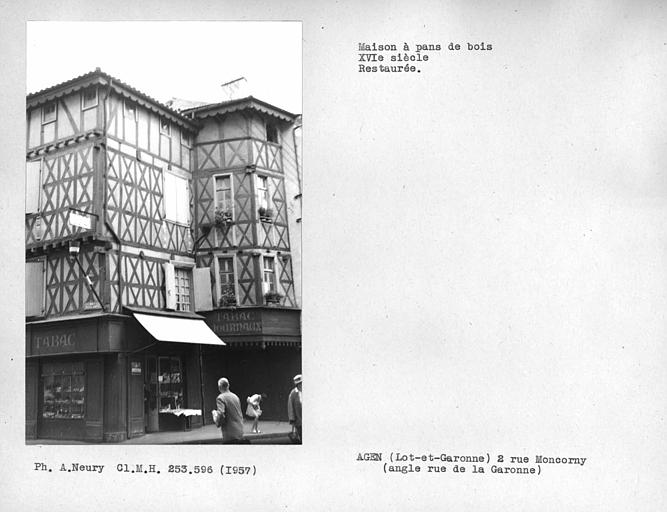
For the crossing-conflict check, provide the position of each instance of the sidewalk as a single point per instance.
(271, 432)
(210, 434)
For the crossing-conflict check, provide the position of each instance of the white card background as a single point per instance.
(484, 264)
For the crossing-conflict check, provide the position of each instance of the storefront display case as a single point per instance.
(170, 383)
(63, 387)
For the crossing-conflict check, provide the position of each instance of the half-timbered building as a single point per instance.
(158, 259)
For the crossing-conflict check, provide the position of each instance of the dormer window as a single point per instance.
(49, 112)
(164, 126)
(271, 133)
(130, 110)
(89, 98)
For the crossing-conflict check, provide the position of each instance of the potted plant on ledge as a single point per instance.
(265, 214)
(272, 297)
(223, 217)
(227, 298)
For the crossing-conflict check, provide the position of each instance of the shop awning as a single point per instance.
(179, 330)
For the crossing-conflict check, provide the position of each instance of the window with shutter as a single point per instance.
(169, 196)
(176, 198)
(178, 287)
(203, 297)
(227, 282)
(34, 288)
(269, 276)
(33, 185)
(183, 201)
(223, 192)
(169, 286)
(263, 200)
(183, 286)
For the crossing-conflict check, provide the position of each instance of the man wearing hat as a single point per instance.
(294, 406)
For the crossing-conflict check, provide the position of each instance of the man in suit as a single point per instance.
(231, 417)
(294, 406)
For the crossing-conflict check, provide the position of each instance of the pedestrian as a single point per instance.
(229, 413)
(254, 410)
(294, 407)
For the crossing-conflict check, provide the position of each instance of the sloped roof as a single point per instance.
(183, 112)
(180, 104)
(98, 77)
(247, 103)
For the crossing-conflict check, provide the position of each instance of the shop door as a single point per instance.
(137, 398)
(151, 402)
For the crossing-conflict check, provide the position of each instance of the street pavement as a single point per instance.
(272, 432)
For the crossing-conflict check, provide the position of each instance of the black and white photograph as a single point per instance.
(448, 217)
(163, 240)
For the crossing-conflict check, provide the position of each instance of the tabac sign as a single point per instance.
(254, 321)
(63, 340)
(236, 322)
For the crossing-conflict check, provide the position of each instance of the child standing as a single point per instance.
(254, 410)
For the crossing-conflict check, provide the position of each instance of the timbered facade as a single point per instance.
(241, 209)
(139, 218)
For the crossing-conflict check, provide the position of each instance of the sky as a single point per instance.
(165, 59)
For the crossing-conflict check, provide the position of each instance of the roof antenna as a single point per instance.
(235, 89)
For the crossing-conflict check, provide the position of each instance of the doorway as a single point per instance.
(151, 411)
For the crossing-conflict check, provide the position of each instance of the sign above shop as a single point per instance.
(136, 367)
(237, 322)
(255, 322)
(56, 341)
(63, 340)
(81, 219)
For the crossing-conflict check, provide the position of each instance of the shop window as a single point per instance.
(271, 133)
(89, 98)
(224, 198)
(227, 282)
(176, 198)
(170, 384)
(49, 112)
(63, 391)
(183, 288)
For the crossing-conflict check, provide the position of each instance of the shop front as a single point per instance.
(262, 355)
(107, 378)
(167, 352)
(66, 367)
